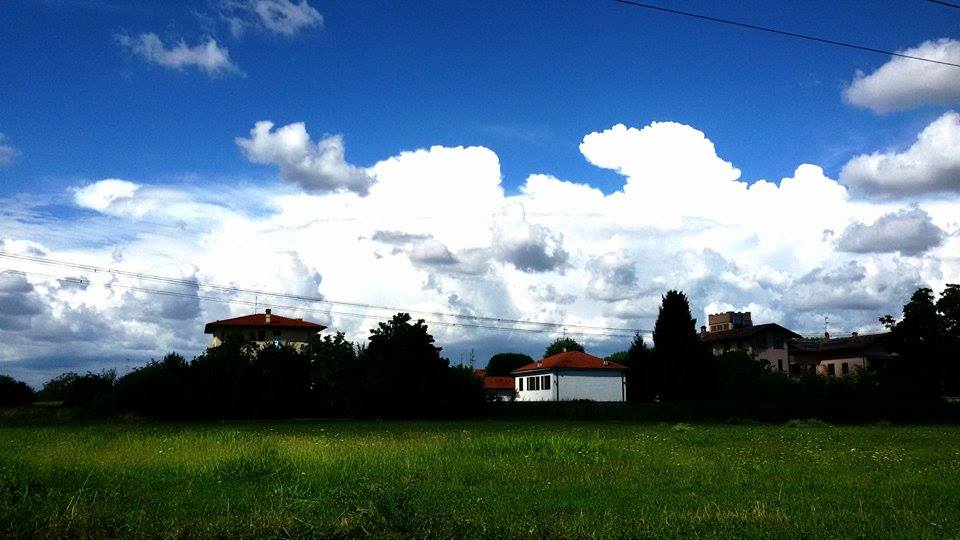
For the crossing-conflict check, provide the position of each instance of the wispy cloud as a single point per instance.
(208, 56)
(275, 16)
(7, 152)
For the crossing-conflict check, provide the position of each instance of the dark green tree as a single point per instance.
(641, 377)
(918, 338)
(682, 367)
(404, 374)
(14, 392)
(563, 344)
(221, 380)
(334, 375)
(281, 382)
(501, 364)
(948, 306)
(76, 390)
(157, 390)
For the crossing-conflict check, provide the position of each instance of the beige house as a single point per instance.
(768, 343)
(842, 356)
(264, 329)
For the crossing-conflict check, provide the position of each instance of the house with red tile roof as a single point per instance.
(497, 388)
(264, 328)
(569, 376)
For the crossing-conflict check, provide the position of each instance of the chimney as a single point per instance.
(267, 317)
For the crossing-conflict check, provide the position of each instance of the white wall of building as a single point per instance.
(535, 395)
(569, 385)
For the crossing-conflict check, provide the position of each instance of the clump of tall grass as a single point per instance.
(808, 422)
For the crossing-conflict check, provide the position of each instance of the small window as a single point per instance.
(546, 382)
(779, 365)
(831, 370)
(845, 368)
(520, 384)
(777, 341)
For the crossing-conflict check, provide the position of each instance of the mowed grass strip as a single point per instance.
(477, 479)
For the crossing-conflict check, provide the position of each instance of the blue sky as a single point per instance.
(526, 79)
(559, 162)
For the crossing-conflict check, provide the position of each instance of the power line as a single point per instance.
(175, 294)
(784, 32)
(234, 289)
(942, 3)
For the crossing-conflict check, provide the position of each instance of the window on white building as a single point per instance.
(520, 384)
(545, 382)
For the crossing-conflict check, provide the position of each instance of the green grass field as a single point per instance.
(476, 479)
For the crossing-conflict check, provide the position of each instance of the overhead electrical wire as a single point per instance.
(81, 281)
(233, 301)
(303, 298)
(943, 3)
(771, 30)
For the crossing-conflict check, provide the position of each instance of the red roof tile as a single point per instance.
(260, 319)
(498, 383)
(570, 360)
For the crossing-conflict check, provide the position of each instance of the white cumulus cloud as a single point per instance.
(437, 233)
(904, 83)
(930, 165)
(208, 56)
(313, 166)
(100, 195)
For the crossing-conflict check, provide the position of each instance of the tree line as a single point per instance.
(400, 372)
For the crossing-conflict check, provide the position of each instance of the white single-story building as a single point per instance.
(570, 376)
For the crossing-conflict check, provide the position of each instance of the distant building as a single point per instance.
(569, 376)
(729, 320)
(768, 343)
(263, 329)
(841, 356)
(497, 388)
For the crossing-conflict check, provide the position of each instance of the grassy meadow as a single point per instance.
(477, 479)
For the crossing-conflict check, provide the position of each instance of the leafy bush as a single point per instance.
(564, 344)
(500, 365)
(14, 392)
(80, 390)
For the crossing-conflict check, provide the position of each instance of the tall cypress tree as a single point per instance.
(682, 363)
